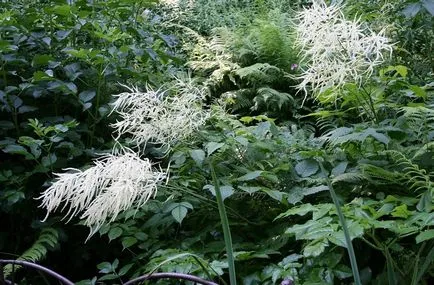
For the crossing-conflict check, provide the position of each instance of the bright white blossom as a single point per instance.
(122, 180)
(335, 49)
(152, 116)
(114, 184)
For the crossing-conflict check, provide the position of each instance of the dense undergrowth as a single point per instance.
(276, 151)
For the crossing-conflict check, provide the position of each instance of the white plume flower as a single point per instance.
(115, 183)
(152, 116)
(335, 49)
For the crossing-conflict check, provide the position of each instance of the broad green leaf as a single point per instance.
(49, 160)
(306, 168)
(17, 149)
(276, 195)
(339, 168)
(249, 189)
(338, 238)
(250, 176)
(114, 233)
(314, 190)
(198, 156)
(401, 212)
(411, 10)
(425, 235)
(86, 95)
(315, 248)
(225, 190)
(124, 270)
(128, 242)
(300, 211)
(61, 10)
(212, 147)
(179, 213)
(429, 6)
(104, 267)
(108, 277)
(41, 59)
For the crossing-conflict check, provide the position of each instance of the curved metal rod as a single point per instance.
(38, 267)
(170, 276)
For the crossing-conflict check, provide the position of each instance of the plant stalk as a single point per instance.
(226, 230)
(351, 253)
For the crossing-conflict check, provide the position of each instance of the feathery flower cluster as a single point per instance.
(336, 50)
(153, 117)
(114, 184)
(121, 180)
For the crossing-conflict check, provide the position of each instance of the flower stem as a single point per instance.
(350, 248)
(225, 224)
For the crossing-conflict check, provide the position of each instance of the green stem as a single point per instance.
(343, 222)
(225, 225)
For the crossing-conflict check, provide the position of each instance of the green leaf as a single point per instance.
(276, 195)
(61, 10)
(250, 176)
(17, 149)
(104, 267)
(401, 212)
(114, 233)
(212, 147)
(128, 242)
(41, 59)
(179, 213)
(429, 6)
(108, 277)
(86, 95)
(411, 10)
(425, 235)
(300, 211)
(198, 156)
(315, 248)
(306, 168)
(225, 190)
(124, 270)
(249, 189)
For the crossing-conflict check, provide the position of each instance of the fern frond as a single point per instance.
(420, 121)
(48, 239)
(259, 73)
(349, 177)
(271, 99)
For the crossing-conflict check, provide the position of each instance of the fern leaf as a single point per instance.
(47, 239)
